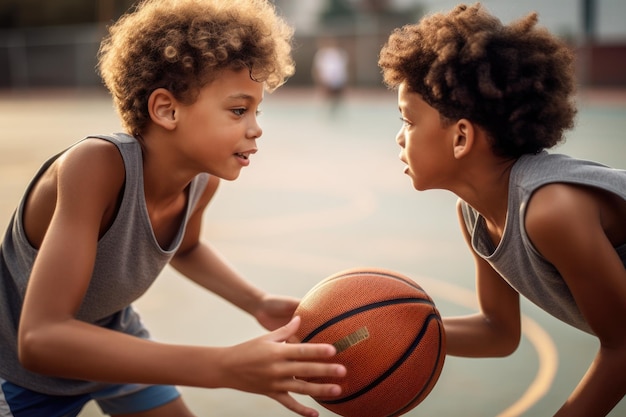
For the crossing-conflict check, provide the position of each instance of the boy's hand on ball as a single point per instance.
(269, 366)
(275, 311)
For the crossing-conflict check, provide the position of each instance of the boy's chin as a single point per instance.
(418, 186)
(231, 176)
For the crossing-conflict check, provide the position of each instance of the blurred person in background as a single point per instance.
(330, 72)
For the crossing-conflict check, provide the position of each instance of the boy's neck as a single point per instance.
(487, 191)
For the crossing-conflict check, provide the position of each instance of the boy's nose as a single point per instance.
(400, 138)
(254, 131)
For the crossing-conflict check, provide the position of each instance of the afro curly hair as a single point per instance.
(181, 45)
(515, 81)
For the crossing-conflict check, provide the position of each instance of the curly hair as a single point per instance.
(515, 81)
(181, 45)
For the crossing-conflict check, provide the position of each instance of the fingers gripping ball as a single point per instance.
(388, 334)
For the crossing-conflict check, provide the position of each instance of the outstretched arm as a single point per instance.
(52, 341)
(203, 264)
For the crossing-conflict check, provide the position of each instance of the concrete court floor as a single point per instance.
(323, 194)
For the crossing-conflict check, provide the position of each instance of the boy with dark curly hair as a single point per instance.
(481, 102)
(101, 219)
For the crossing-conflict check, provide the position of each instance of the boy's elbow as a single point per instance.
(31, 350)
(507, 349)
(507, 344)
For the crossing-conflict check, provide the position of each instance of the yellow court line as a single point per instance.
(542, 342)
(536, 335)
(362, 203)
(548, 364)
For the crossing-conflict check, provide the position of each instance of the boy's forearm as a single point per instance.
(79, 350)
(207, 268)
(602, 387)
(472, 336)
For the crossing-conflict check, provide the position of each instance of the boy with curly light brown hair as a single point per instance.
(481, 102)
(100, 220)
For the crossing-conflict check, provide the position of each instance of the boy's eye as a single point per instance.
(404, 121)
(242, 111)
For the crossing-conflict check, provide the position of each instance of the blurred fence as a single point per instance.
(49, 57)
(602, 65)
(66, 57)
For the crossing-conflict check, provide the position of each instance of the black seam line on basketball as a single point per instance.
(393, 367)
(426, 386)
(361, 309)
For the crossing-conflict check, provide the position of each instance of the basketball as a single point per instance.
(388, 334)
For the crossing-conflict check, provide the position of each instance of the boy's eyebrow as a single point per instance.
(240, 95)
(243, 96)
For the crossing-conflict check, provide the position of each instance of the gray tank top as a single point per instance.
(128, 260)
(515, 258)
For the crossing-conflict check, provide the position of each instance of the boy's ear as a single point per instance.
(162, 107)
(464, 137)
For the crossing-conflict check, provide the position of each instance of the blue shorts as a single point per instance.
(16, 401)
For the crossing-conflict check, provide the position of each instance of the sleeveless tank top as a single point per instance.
(128, 260)
(515, 258)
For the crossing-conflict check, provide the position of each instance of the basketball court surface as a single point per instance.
(325, 193)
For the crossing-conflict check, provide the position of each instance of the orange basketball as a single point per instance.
(388, 334)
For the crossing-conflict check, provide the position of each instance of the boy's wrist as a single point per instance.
(252, 303)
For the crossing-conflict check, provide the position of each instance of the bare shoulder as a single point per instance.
(86, 179)
(93, 154)
(90, 179)
(560, 211)
(91, 163)
(555, 205)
